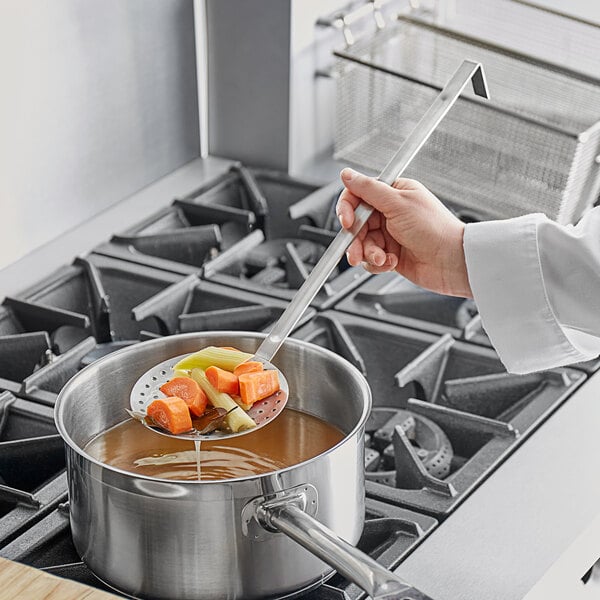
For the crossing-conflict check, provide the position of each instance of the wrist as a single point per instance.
(456, 277)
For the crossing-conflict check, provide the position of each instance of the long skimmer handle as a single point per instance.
(468, 71)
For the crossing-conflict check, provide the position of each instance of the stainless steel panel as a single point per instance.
(249, 81)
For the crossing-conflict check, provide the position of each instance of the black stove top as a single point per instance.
(393, 299)
(229, 256)
(445, 412)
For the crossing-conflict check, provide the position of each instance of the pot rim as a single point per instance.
(58, 406)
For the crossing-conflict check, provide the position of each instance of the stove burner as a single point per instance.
(284, 263)
(471, 412)
(277, 259)
(430, 443)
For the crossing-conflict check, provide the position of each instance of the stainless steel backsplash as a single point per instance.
(98, 98)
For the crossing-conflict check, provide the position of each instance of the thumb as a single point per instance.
(379, 195)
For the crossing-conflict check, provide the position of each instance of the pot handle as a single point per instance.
(378, 582)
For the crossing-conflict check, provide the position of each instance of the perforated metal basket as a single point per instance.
(532, 148)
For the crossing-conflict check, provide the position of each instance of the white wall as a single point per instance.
(97, 100)
(584, 9)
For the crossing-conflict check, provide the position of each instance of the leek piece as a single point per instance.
(237, 420)
(213, 356)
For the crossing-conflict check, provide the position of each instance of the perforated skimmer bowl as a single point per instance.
(147, 389)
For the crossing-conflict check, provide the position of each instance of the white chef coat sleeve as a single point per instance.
(537, 287)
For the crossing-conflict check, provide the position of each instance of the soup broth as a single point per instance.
(291, 439)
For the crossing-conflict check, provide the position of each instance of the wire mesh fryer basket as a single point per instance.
(532, 148)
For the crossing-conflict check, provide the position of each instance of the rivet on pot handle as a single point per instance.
(285, 513)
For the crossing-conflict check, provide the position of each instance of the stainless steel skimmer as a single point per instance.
(468, 71)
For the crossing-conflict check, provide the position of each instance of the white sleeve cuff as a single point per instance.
(507, 282)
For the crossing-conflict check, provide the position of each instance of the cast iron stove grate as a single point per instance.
(392, 299)
(197, 228)
(212, 220)
(195, 305)
(261, 231)
(32, 478)
(104, 290)
(278, 261)
(445, 412)
(81, 310)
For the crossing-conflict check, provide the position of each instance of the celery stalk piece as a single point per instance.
(238, 420)
(213, 356)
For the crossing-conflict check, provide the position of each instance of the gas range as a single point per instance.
(228, 255)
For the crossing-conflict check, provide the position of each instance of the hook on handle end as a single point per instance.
(479, 83)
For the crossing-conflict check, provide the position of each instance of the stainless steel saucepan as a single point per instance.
(231, 539)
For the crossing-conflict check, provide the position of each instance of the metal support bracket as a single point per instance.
(342, 20)
(427, 369)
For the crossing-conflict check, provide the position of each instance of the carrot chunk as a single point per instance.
(224, 381)
(251, 366)
(258, 385)
(189, 391)
(171, 413)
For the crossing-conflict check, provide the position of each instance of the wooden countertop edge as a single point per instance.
(20, 582)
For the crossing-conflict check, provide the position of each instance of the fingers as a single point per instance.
(346, 204)
(379, 195)
(373, 248)
(403, 183)
(354, 253)
(345, 207)
(389, 264)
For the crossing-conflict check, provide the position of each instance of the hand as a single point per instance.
(410, 232)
